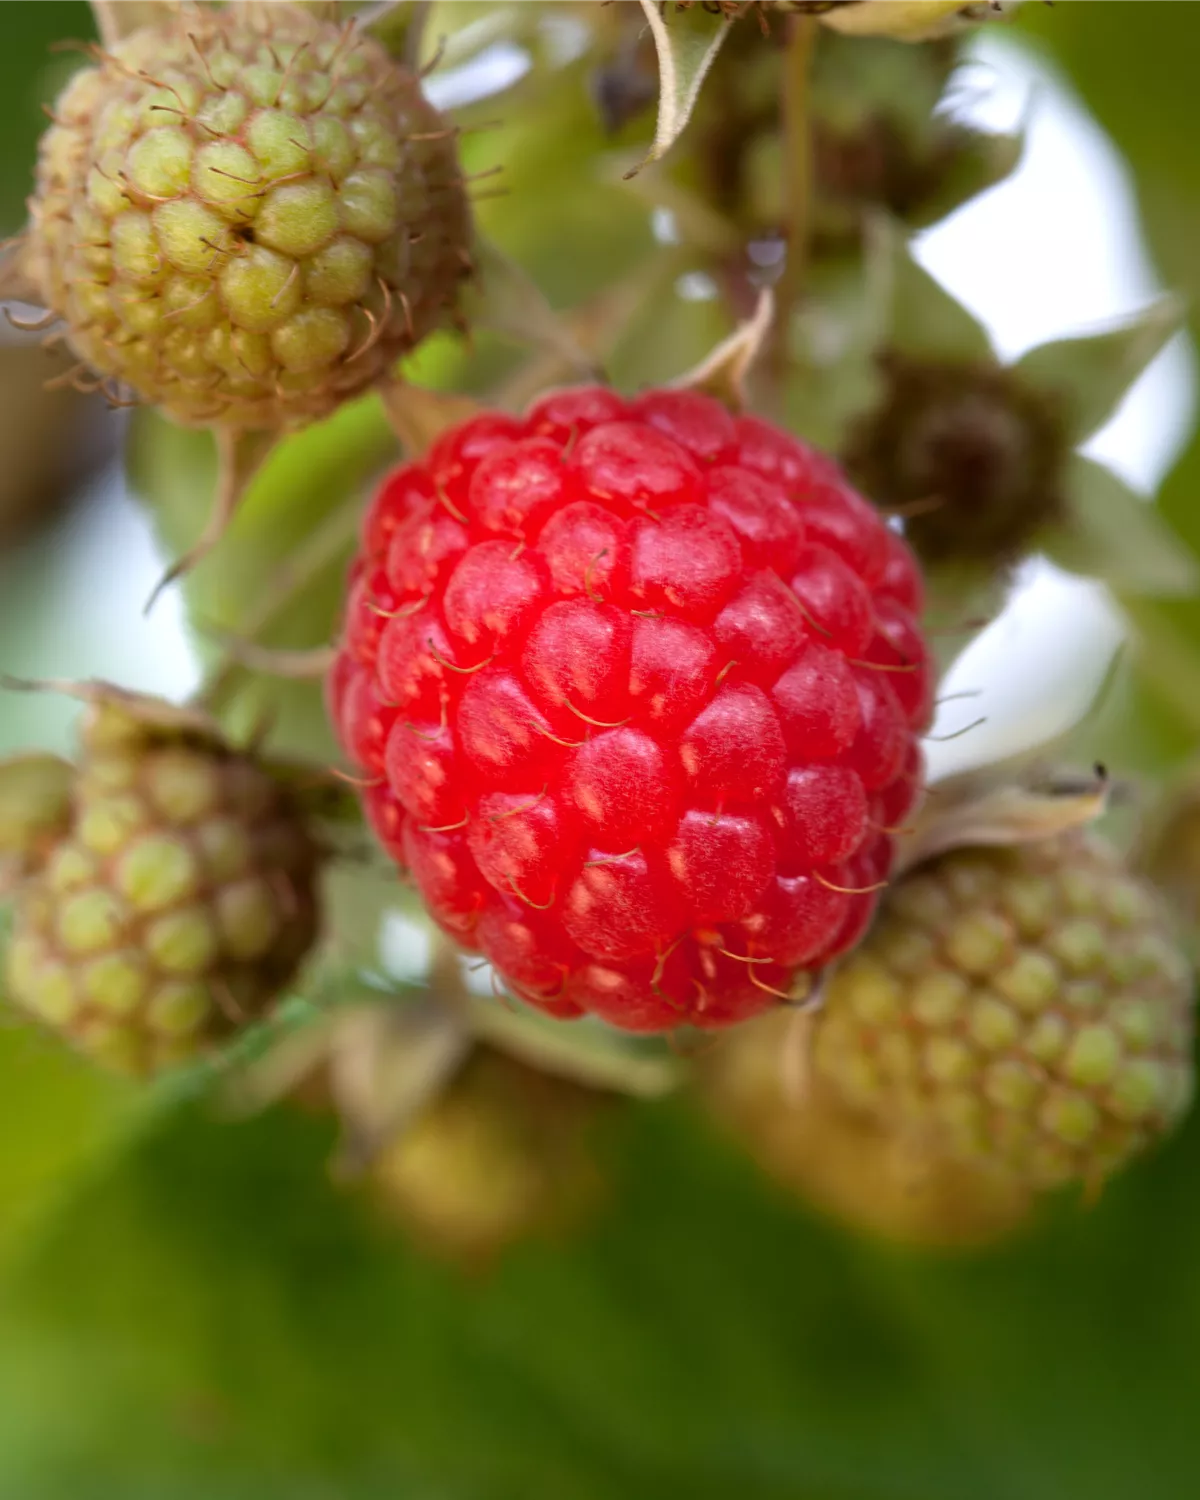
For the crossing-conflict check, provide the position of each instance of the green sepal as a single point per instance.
(981, 161)
(1165, 654)
(918, 317)
(1115, 535)
(687, 43)
(1088, 377)
(505, 299)
(587, 1052)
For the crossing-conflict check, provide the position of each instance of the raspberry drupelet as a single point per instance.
(637, 687)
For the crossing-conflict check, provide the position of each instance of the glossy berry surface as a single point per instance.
(637, 687)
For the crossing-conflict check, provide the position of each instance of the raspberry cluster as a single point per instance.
(637, 687)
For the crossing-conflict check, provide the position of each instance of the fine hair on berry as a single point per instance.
(174, 903)
(1025, 1010)
(637, 687)
(246, 215)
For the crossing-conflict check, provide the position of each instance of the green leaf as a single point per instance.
(59, 1117)
(277, 577)
(31, 75)
(1167, 657)
(687, 43)
(1087, 377)
(212, 1321)
(835, 339)
(1115, 535)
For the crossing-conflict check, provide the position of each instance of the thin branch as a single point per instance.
(796, 126)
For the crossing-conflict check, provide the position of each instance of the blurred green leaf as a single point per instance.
(58, 1118)
(30, 76)
(507, 300)
(1086, 378)
(212, 1321)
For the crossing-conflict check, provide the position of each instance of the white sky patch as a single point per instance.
(405, 948)
(83, 588)
(479, 978)
(496, 68)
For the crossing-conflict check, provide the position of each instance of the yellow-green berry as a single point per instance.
(166, 914)
(504, 1154)
(843, 1161)
(1052, 1030)
(247, 214)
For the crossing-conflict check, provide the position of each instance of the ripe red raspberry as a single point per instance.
(638, 686)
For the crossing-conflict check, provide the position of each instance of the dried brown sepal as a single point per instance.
(16, 282)
(118, 716)
(387, 1064)
(117, 719)
(686, 50)
(978, 809)
(116, 19)
(724, 372)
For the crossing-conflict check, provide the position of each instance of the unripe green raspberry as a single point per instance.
(247, 215)
(843, 1161)
(1026, 1009)
(502, 1156)
(174, 905)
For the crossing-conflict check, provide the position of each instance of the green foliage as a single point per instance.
(29, 76)
(191, 1309)
(211, 1319)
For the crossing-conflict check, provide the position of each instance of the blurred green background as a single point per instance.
(192, 1309)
